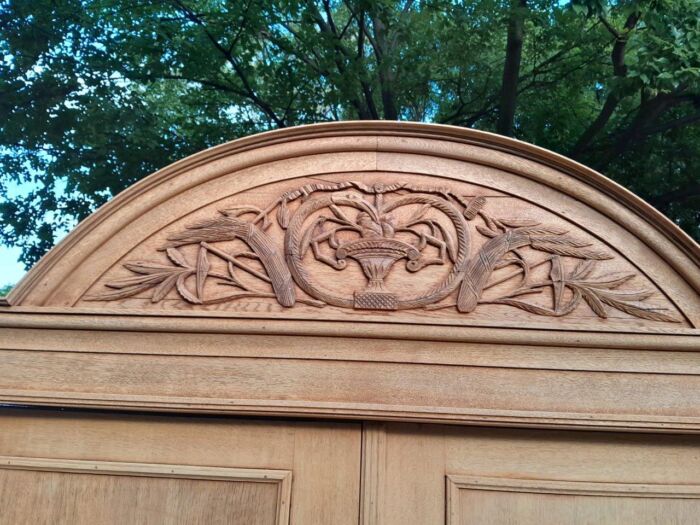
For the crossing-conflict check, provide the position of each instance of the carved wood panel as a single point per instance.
(382, 243)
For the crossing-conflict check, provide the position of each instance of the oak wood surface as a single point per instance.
(386, 273)
(47, 454)
(449, 374)
(437, 474)
(87, 492)
(512, 178)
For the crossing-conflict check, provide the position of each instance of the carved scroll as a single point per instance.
(379, 228)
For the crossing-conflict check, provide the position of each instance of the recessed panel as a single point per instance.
(139, 494)
(486, 501)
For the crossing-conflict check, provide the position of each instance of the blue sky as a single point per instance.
(10, 270)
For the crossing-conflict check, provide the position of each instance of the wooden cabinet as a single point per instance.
(458, 328)
(89, 468)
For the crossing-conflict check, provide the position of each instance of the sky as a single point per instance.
(11, 271)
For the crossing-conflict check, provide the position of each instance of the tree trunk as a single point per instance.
(511, 69)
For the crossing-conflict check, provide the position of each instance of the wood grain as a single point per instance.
(520, 180)
(85, 492)
(463, 475)
(395, 274)
(476, 500)
(222, 470)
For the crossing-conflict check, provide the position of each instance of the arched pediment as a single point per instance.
(378, 221)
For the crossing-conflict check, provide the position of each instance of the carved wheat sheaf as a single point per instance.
(379, 228)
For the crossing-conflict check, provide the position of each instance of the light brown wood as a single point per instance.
(373, 469)
(493, 501)
(175, 470)
(469, 376)
(468, 183)
(87, 492)
(378, 272)
(436, 473)
(259, 263)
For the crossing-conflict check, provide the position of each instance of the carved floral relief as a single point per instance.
(362, 234)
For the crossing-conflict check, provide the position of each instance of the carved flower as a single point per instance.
(385, 227)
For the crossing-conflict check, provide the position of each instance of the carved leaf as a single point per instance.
(490, 224)
(176, 256)
(237, 211)
(564, 241)
(450, 241)
(538, 310)
(308, 234)
(486, 232)
(147, 268)
(283, 215)
(339, 213)
(122, 293)
(595, 303)
(474, 207)
(528, 307)
(419, 213)
(640, 295)
(163, 288)
(639, 311)
(184, 292)
(610, 282)
(506, 261)
(202, 270)
(518, 223)
(570, 251)
(582, 270)
(136, 280)
(543, 230)
(232, 273)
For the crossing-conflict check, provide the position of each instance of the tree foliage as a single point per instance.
(96, 94)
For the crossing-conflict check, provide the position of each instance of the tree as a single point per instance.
(96, 94)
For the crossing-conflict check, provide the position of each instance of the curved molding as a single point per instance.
(379, 142)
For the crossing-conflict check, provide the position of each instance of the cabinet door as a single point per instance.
(61, 468)
(462, 476)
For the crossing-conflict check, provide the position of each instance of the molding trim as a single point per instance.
(282, 478)
(327, 369)
(671, 339)
(373, 473)
(456, 483)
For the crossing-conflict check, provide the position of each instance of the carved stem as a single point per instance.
(482, 264)
(235, 262)
(513, 274)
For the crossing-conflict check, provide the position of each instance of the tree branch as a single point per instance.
(617, 57)
(681, 194)
(228, 55)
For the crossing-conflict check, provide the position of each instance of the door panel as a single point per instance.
(473, 500)
(432, 474)
(90, 468)
(86, 492)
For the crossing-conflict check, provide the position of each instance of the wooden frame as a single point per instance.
(282, 478)
(455, 483)
(64, 341)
